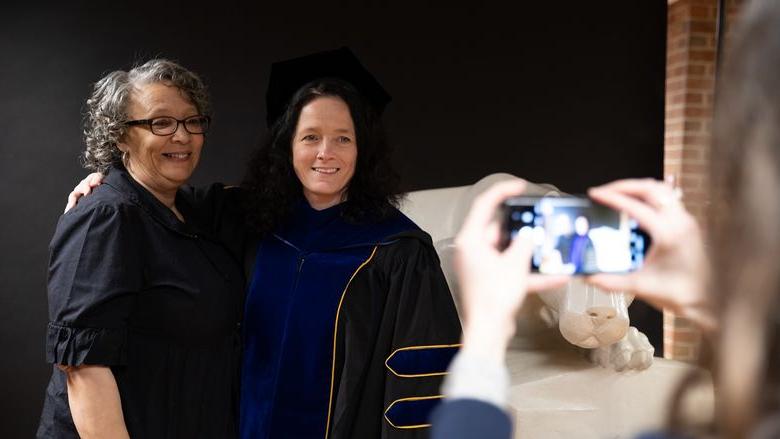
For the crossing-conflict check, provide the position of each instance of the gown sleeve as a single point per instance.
(95, 274)
(410, 342)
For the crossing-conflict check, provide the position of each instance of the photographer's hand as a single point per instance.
(493, 283)
(675, 272)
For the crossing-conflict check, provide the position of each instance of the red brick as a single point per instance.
(677, 98)
(676, 71)
(693, 168)
(671, 169)
(686, 337)
(691, 154)
(677, 57)
(694, 98)
(701, 26)
(683, 353)
(674, 126)
(698, 41)
(691, 58)
(676, 41)
(698, 112)
(700, 83)
(692, 125)
(672, 155)
(674, 113)
(682, 322)
(673, 139)
(687, 182)
(706, 55)
(696, 69)
(696, 140)
(699, 11)
(676, 28)
(695, 196)
(673, 86)
(669, 105)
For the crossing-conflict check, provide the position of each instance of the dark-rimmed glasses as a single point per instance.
(166, 126)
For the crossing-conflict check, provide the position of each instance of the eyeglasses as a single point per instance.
(166, 126)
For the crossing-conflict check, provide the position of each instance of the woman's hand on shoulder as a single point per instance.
(676, 271)
(84, 187)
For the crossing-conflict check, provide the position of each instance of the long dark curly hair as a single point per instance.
(273, 188)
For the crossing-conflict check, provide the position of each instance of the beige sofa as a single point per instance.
(559, 390)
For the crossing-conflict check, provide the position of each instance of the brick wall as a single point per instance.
(691, 64)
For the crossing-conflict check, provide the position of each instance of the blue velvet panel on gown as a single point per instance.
(300, 274)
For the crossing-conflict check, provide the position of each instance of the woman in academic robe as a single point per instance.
(349, 322)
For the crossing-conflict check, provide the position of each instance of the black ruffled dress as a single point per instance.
(156, 300)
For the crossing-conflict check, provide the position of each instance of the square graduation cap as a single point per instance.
(290, 75)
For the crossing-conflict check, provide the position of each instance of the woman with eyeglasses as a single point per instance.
(144, 303)
(349, 321)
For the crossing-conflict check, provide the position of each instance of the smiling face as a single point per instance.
(160, 163)
(324, 151)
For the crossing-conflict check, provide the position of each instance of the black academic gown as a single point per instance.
(348, 330)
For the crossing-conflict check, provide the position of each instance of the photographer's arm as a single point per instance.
(494, 285)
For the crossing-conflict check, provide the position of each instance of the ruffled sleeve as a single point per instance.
(95, 274)
(77, 345)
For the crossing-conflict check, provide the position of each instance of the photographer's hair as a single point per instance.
(106, 112)
(744, 216)
(273, 187)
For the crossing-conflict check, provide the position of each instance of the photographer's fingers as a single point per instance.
(656, 295)
(658, 194)
(545, 282)
(492, 234)
(645, 215)
(483, 210)
(518, 257)
(518, 254)
(615, 282)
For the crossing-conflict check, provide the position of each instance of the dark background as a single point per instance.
(569, 93)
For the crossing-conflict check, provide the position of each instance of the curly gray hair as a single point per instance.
(106, 114)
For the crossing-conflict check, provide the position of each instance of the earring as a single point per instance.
(125, 156)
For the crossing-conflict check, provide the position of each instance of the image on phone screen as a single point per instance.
(574, 235)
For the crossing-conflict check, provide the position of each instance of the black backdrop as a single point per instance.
(569, 93)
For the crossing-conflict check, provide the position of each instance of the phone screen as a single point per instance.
(574, 235)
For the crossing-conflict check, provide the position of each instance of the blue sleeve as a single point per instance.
(469, 418)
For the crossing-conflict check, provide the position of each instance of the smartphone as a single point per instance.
(575, 235)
